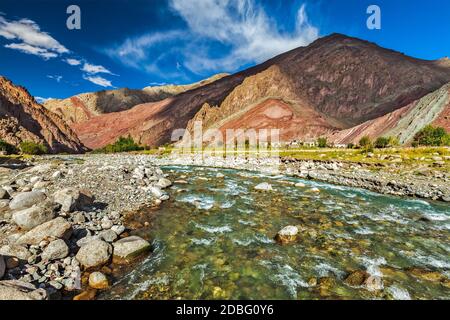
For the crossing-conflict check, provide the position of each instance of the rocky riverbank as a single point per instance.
(424, 182)
(62, 218)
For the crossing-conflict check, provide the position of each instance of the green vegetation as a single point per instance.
(431, 136)
(322, 142)
(121, 145)
(366, 144)
(386, 142)
(7, 147)
(30, 147)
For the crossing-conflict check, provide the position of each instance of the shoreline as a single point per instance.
(349, 174)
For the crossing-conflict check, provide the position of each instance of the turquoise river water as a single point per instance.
(214, 240)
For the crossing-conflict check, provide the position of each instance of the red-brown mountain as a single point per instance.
(23, 119)
(335, 83)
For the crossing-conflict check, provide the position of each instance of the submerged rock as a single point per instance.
(98, 280)
(287, 234)
(356, 278)
(264, 186)
(130, 247)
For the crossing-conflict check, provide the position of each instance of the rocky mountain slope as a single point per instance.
(335, 83)
(84, 106)
(23, 119)
(405, 122)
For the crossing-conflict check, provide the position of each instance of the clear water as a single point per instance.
(214, 240)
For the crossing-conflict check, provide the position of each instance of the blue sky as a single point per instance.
(137, 43)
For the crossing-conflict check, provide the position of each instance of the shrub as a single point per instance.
(8, 148)
(382, 142)
(322, 142)
(30, 147)
(365, 142)
(431, 136)
(350, 145)
(121, 145)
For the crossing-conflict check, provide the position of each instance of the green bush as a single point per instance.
(382, 142)
(365, 142)
(121, 145)
(5, 146)
(431, 136)
(30, 147)
(322, 142)
(350, 145)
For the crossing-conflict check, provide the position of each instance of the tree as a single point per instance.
(30, 147)
(365, 142)
(351, 145)
(121, 145)
(431, 136)
(322, 142)
(382, 142)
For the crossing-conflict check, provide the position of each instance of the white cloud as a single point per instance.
(73, 62)
(29, 49)
(243, 28)
(92, 69)
(98, 80)
(55, 77)
(42, 100)
(32, 39)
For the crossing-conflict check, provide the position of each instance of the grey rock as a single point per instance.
(17, 251)
(108, 235)
(156, 191)
(85, 240)
(72, 199)
(56, 228)
(130, 247)
(94, 254)
(57, 249)
(26, 199)
(31, 217)
(163, 183)
(20, 290)
(118, 229)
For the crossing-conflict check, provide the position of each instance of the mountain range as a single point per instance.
(339, 87)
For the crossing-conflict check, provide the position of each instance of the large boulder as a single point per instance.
(57, 249)
(287, 234)
(37, 214)
(16, 251)
(72, 199)
(130, 247)
(25, 200)
(163, 183)
(57, 228)
(20, 290)
(95, 253)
